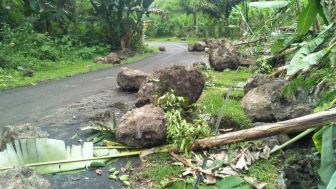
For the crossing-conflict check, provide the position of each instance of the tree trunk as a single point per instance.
(196, 24)
(284, 127)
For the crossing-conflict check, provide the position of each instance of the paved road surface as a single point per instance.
(28, 104)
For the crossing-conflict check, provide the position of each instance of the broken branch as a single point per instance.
(284, 127)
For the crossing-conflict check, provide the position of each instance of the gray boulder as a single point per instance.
(256, 81)
(11, 133)
(142, 127)
(162, 48)
(200, 46)
(223, 55)
(112, 58)
(191, 47)
(265, 103)
(131, 80)
(22, 178)
(185, 81)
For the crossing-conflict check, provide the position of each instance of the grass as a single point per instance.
(266, 171)
(213, 97)
(161, 170)
(49, 70)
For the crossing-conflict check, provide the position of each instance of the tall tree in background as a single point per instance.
(122, 20)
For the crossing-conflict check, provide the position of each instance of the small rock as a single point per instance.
(28, 73)
(200, 65)
(22, 178)
(11, 133)
(162, 48)
(131, 80)
(191, 48)
(142, 127)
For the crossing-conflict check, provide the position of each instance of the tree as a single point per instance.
(122, 20)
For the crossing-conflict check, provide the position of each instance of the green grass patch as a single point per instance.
(160, 169)
(213, 102)
(212, 98)
(230, 78)
(266, 171)
(49, 70)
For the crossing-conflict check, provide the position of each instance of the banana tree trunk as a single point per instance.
(294, 125)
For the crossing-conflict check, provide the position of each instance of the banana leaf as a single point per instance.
(268, 4)
(332, 183)
(44, 150)
(311, 46)
(308, 61)
(307, 17)
(328, 162)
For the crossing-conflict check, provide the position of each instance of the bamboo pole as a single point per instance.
(284, 127)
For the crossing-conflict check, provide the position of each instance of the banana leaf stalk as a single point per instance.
(123, 154)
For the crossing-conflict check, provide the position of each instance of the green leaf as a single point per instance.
(332, 183)
(230, 182)
(328, 163)
(30, 151)
(311, 46)
(308, 61)
(268, 4)
(307, 17)
(317, 138)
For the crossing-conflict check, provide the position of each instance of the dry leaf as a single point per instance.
(228, 171)
(210, 179)
(145, 153)
(241, 164)
(266, 152)
(254, 182)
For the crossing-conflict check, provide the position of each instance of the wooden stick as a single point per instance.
(294, 125)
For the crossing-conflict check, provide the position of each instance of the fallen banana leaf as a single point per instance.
(161, 149)
(49, 156)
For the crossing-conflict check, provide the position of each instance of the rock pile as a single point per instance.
(112, 58)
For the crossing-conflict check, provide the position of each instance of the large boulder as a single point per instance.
(131, 80)
(223, 55)
(22, 178)
(259, 102)
(11, 133)
(185, 81)
(112, 58)
(142, 127)
(265, 103)
(199, 46)
(256, 81)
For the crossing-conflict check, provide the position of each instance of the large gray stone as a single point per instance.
(142, 127)
(11, 133)
(223, 55)
(22, 178)
(131, 80)
(185, 81)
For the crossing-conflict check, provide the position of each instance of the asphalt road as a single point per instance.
(60, 107)
(28, 104)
